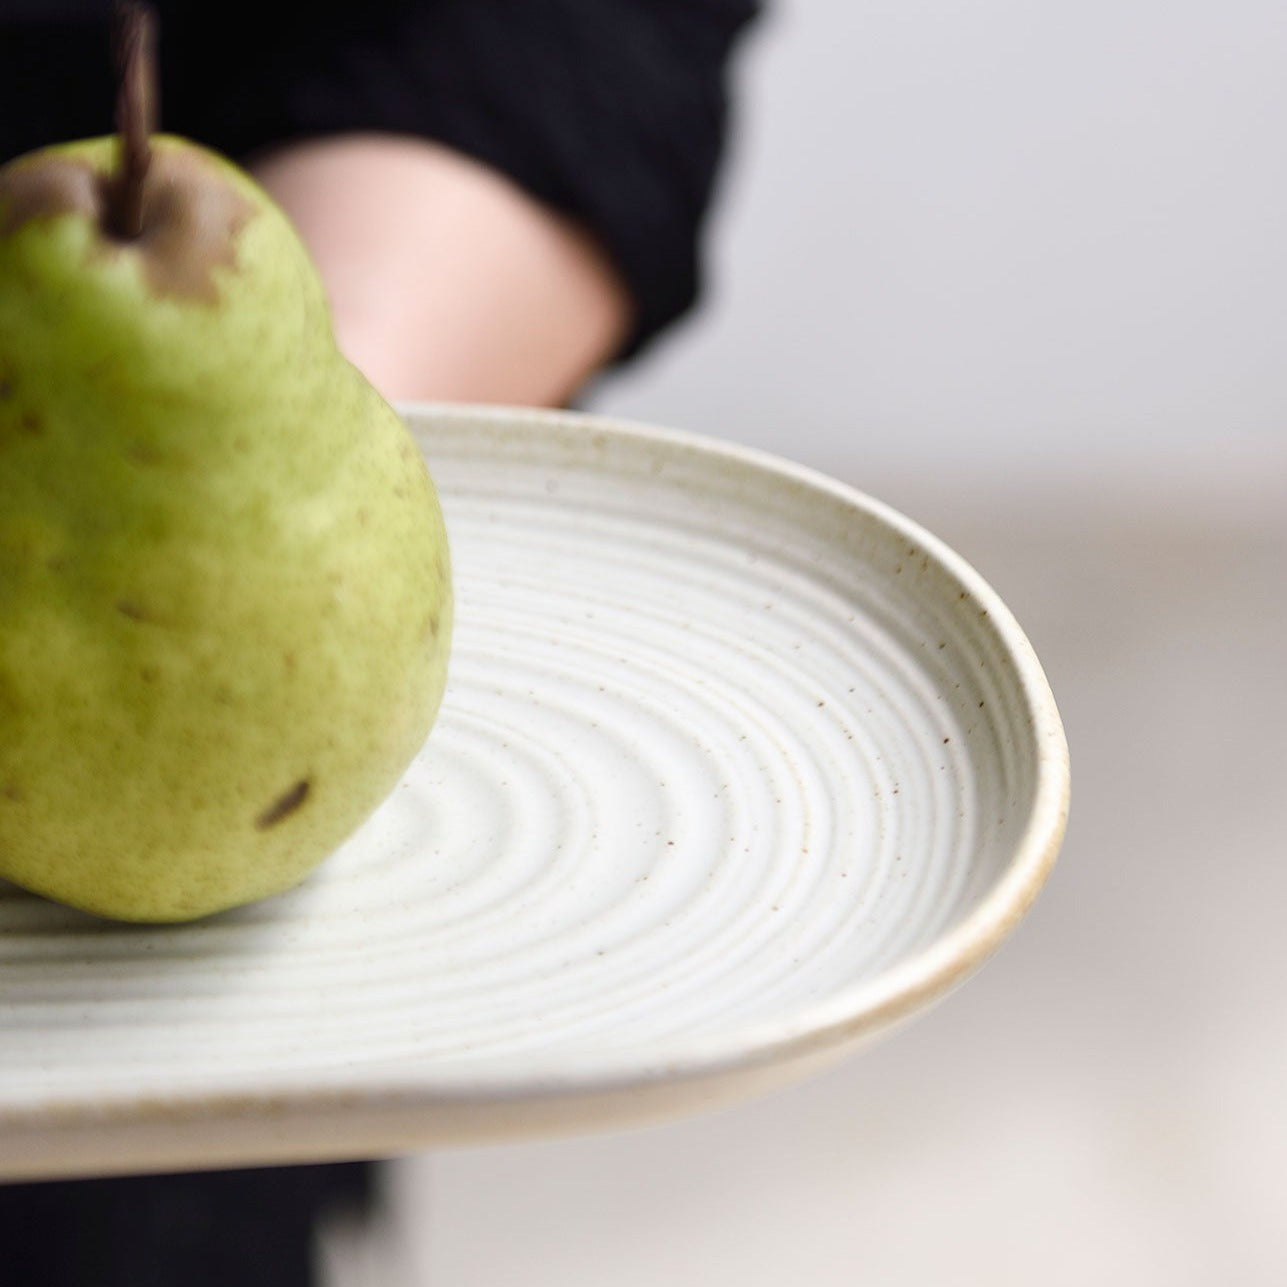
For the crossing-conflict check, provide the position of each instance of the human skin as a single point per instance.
(447, 282)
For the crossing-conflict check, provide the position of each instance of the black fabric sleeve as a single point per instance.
(613, 112)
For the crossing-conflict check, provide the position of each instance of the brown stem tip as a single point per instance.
(134, 42)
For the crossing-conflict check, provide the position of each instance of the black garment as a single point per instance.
(215, 1229)
(611, 111)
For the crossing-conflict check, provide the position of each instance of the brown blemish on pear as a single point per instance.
(128, 608)
(284, 805)
(44, 189)
(191, 217)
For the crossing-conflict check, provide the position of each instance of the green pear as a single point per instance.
(225, 598)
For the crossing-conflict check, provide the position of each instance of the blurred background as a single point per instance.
(1018, 270)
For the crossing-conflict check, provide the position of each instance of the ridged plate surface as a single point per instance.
(735, 767)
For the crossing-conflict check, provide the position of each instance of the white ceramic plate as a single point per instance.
(736, 767)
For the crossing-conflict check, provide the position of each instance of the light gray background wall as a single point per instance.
(998, 235)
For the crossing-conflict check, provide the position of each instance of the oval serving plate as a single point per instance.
(736, 769)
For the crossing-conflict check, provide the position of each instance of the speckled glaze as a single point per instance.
(736, 769)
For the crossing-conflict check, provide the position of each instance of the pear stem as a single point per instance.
(134, 39)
